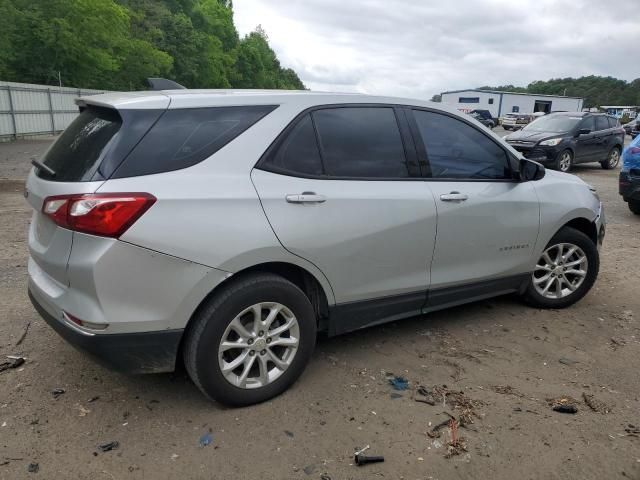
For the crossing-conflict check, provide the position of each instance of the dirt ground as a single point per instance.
(508, 359)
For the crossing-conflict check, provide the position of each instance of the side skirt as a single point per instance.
(347, 317)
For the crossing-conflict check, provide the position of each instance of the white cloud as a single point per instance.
(419, 48)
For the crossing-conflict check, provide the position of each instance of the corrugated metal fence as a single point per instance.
(27, 109)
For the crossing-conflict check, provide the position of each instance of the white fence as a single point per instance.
(27, 109)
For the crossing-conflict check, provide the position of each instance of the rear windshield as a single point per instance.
(76, 155)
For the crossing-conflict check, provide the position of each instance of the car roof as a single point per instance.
(188, 98)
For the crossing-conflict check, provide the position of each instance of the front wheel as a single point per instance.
(634, 206)
(612, 159)
(251, 340)
(564, 161)
(565, 272)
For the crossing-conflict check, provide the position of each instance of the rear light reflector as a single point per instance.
(634, 150)
(103, 214)
(81, 323)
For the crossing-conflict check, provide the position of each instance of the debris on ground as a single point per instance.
(425, 396)
(24, 334)
(435, 430)
(594, 404)
(395, 395)
(309, 469)
(564, 404)
(33, 468)
(93, 399)
(288, 433)
(13, 362)
(399, 383)
(206, 439)
(56, 392)
(82, 411)
(455, 399)
(457, 444)
(632, 430)
(107, 447)
(361, 459)
(567, 361)
(616, 343)
(506, 390)
(324, 476)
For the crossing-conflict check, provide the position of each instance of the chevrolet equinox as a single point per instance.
(226, 229)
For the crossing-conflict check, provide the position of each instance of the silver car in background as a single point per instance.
(226, 229)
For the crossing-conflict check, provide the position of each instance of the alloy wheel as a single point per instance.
(258, 345)
(565, 162)
(560, 271)
(614, 158)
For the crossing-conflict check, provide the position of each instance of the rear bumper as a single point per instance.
(629, 186)
(148, 352)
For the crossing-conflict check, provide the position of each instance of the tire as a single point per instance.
(506, 128)
(612, 159)
(211, 324)
(586, 253)
(490, 125)
(634, 206)
(564, 161)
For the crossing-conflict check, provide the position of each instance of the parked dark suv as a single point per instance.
(562, 139)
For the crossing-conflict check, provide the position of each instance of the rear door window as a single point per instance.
(589, 124)
(184, 137)
(298, 152)
(456, 150)
(361, 142)
(78, 152)
(602, 123)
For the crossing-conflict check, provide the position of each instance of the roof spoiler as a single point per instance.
(164, 84)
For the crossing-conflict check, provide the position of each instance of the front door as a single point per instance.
(487, 222)
(341, 190)
(586, 143)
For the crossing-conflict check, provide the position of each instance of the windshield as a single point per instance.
(551, 123)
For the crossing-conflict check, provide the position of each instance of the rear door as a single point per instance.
(605, 137)
(342, 189)
(487, 222)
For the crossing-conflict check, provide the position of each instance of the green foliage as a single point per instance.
(117, 44)
(596, 90)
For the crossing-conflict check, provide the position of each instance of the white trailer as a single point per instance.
(501, 103)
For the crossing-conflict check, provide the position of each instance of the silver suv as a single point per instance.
(226, 229)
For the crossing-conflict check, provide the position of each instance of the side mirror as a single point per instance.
(530, 170)
(584, 131)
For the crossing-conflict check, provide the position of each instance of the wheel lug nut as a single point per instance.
(268, 340)
(250, 342)
(262, 352)
(260, 333)
(252, 352)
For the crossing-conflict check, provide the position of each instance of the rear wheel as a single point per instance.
(634, 206)
(564, 160)
(565, 272)
(612, 159)
(250, 341)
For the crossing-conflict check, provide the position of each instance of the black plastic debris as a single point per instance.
(363, 459)
(56, 392)
(33, 468)
(565, 408)
(12, 362)
(107, 447)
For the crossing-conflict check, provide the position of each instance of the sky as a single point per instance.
(420, 48)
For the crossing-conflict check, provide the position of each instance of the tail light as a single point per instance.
(104, 214)
(634, 150)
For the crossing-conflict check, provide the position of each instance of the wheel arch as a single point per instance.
(584, 225)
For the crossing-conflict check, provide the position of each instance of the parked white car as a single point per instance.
(226, 229)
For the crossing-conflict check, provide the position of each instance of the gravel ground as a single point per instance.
(507, 360)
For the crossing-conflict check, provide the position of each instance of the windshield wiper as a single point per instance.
(42, 166)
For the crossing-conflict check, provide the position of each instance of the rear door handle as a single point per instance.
(305, 197)
(453, 197)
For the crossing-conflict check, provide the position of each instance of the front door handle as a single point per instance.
(305, 197)
(453, 197)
